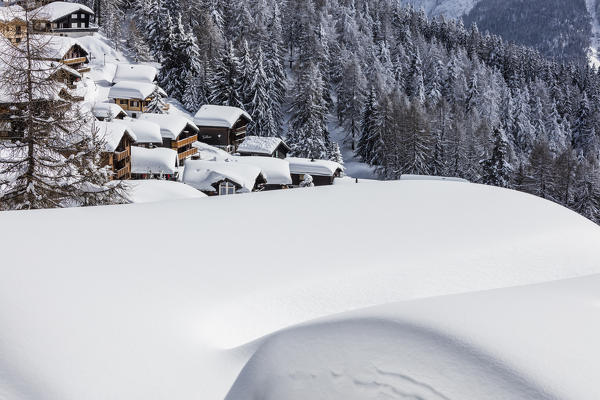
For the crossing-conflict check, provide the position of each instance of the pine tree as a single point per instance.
(308, 136)
(371, 133)
(56, 159)
(259, 106)
(225, 81)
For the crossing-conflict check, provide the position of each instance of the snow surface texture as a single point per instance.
(153, 161)
(59, 9)
(112, 133)
(259, 145)
(171, 126)
(145, 131)
(135, 73)
(313, 167)
(152, 190)
(122, 318)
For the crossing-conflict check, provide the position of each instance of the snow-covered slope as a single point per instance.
(160, 300)
(449, 8)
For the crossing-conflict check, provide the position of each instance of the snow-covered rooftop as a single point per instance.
(107, 110)
(42, 70)
(145, 131)
(275, 170)
(153, 161)
(58, 46)
(207, 152)
(112, 132)
(59, 9)
(132, 90)
(171, 125)
(155, 190)
(410, 177)
(314, 167)
(203, 174)
(260, 145)
(219, 116)
(10, 13)
(135, 73)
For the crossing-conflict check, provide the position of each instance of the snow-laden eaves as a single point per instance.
(171, 125)
(58, 46)
(11, 13)
(260, 145)
(59, 9)
(132, 90)
(207, 152)
(145, 131)
(135, 73)
(107, 110)
(204, 174)
(112, 132)
(155, 190)
(314, 167)
(219, 116)
(275, 170)
(153, 161)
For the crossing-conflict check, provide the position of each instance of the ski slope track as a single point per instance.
(404, 290)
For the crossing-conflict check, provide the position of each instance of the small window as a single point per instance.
(134, 103)
(226, 188)
(82, 15)
(133, 115)
(73, 15)
(73, 25)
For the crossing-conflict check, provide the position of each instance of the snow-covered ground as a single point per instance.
(202, 298)
(594, 50)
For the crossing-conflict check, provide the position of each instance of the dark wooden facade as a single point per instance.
(281, 152)
(183, 144)
(228, 139)
(80, 21)
(120, 160)
(318, 180)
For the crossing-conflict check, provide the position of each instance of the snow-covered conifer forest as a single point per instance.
(413, 94)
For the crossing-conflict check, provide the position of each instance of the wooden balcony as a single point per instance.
(120, 156)
(124, 173)
(70, 61)
(187, 153)
(184, 142)
(83, 70)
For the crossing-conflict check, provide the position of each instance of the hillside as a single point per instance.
(130, 315)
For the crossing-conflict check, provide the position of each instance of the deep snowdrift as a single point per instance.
(143, 301)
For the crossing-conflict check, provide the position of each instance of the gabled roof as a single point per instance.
(220, 116)
(145, 131)
(261, 145)
(58, 46)
(153, 161)
(171, 125)
(207, 152)
(314, 167)
(135, 73)
(107, 110)
(275, 170)
(11, 13)
(112, 133)
(133, 90)
(204, 174)
(59, 9)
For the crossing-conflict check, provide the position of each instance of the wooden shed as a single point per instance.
(118, 140)
(263, 146)
(178, 133)
(323, 172)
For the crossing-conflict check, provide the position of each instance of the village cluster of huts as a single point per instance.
(209, 151)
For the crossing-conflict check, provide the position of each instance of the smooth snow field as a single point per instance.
(377, 290)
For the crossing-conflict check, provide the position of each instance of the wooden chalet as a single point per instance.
(323, 172)
(275, 170)
(263, 146)
(12, 23)
(118, 141)
(134, 97)
(147, 132)
(219, 178)
(135, 73)
(178, 133)
(61, 18)
(222, 126)
(69, 52)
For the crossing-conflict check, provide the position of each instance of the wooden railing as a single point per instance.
(183, 142)
(78, 60)
(124, 172)
(120, 156)
(187, 153)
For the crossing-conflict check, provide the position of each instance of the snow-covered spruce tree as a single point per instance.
(111, 19)
(307, 135)
(587, 196)
(540, 177)
(225, 79)
(350, 98)
(137, 44)
(55, 159)
(259, 106)
(496, 170)
(247, 71)
(157, 102)
(180, 60)
(159, 28)
(415, 138)
(371, 133)
(195, 94)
